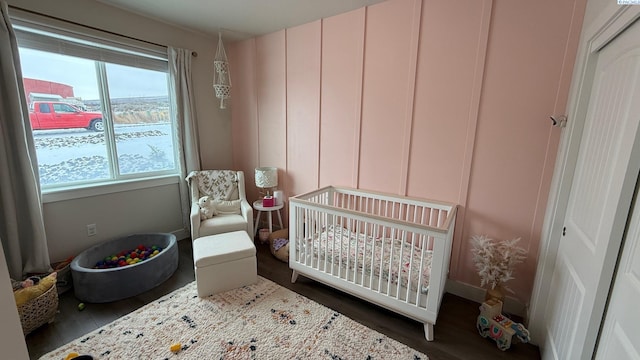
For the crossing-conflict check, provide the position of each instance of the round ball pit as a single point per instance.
(106, 285)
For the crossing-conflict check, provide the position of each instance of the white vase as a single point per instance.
(279, 196)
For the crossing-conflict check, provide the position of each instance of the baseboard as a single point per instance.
(474, 293)
(181, 234)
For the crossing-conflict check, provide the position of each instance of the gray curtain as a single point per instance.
(181, 88)
(21, 222)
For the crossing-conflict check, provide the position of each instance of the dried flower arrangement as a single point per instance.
(496, 260)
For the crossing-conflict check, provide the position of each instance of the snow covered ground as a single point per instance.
(78, 155)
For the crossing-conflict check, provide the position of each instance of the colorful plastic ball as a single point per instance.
(175, 347)
(71, 355)
(129, 257)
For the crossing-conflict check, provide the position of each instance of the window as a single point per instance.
(99, 110)
(63, 108)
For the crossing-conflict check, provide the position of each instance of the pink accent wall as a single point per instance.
(437, 99)
(526, 79)
(447, 111)
(341, 98)
(244, 117)
(272, 101)
(303, 107)
(392, 29)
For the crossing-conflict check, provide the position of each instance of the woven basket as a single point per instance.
(282, 253)
(39, 311)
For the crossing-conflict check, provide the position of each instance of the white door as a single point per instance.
(620, 336)
(599, 202)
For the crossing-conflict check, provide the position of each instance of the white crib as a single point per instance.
(390, 250)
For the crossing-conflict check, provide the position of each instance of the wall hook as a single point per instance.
(559, 120)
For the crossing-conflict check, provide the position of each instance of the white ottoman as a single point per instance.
(224, 262)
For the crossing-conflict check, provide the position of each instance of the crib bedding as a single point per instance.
(343, 248)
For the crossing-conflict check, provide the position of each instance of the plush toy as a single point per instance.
(207, 207)
(17, 285)
(210, 207)
(26, 294)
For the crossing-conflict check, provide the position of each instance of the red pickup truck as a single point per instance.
(60, 115)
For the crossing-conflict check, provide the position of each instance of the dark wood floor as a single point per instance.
(455, 335)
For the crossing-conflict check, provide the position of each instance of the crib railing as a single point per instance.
(391, 250)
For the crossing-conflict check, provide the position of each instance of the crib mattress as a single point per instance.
(392, 260)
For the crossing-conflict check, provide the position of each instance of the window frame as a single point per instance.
(35, 32)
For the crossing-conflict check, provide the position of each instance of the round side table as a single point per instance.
(257, 205)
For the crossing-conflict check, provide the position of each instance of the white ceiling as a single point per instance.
(238, 19)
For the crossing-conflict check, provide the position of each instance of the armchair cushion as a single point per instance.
(222, 224)
(226, 207)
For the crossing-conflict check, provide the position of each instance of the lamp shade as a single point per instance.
(266, 177)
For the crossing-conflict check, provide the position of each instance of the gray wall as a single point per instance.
(154, 209)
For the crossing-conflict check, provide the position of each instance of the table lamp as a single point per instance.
(267, 178)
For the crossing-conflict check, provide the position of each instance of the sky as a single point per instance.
(123, 81)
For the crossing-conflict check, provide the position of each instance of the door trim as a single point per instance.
(612, 21)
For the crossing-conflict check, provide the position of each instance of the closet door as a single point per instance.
(621, 330)
(599, 202)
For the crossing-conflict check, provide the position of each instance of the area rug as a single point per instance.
(261, 321)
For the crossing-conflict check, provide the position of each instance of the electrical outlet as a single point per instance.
(91, 230)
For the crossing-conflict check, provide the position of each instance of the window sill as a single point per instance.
(78, 192)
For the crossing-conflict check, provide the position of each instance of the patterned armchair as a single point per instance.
(226, 188)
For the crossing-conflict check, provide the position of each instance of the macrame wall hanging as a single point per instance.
(221, 75)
